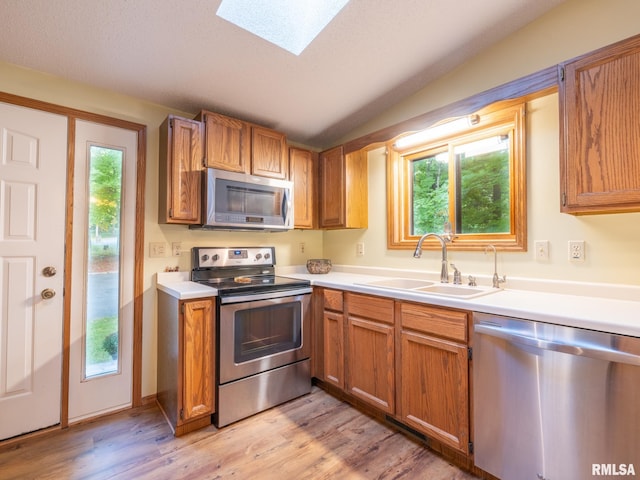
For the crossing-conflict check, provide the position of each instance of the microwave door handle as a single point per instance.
(285, 206)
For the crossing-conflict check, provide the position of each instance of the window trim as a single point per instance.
(509, 114)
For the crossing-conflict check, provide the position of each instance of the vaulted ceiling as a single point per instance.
(181, 55)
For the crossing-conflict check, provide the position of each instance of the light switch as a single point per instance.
(541, 249)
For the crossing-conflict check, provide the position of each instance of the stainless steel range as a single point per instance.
(263, 330)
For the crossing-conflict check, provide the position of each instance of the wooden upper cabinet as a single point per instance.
(227, 142)
(180, 167)
(343, 191)
(238, 146)
(269, 153)
(302, 170)
(600, 130)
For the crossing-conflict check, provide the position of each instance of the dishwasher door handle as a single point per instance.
(597, 351)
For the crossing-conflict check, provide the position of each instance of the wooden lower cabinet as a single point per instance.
(358, 346)
(371, 352)
(408, 360)
(434, 373)
(197, 359)
(186, 361)
(333, 337)
(334, 348)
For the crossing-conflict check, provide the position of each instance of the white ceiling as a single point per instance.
(178, 53)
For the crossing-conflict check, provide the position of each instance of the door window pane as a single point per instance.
(102, 340)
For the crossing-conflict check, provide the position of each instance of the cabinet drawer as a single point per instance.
(375, 308)
(436, 321)
(333, 300)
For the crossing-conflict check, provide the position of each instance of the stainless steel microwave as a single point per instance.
(247, 202)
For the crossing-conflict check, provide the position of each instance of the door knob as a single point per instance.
(48, 293)
(49, 271)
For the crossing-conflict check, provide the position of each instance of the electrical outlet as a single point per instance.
(176, 249)
(541, 248)
(157, 249)
(359, 249)
(301, 247)
(576, 250)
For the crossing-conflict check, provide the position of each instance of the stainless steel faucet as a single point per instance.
(497, 280)
(444, 271)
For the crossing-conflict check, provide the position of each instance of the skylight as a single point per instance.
(289, 24)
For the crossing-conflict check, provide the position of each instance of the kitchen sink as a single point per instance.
(400, 283)
(458, 291)
(433, 288)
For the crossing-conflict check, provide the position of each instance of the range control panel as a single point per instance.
(211, 257)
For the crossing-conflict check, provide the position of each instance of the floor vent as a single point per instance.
(406, 429)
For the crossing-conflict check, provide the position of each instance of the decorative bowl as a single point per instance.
(319, 265)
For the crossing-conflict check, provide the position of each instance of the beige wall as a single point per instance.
(612, 241)
(574, 28)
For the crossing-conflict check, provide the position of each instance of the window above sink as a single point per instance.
(472, 179)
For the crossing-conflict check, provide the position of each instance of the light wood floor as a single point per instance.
(314, 437)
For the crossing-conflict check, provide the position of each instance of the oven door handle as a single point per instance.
(264, 296)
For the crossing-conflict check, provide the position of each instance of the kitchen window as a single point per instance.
(465, 177)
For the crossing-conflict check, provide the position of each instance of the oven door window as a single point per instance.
(263, 331)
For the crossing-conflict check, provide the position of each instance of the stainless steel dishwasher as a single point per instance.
(554, 402)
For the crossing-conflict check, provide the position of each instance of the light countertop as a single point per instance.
(616, 311)
(177, 284)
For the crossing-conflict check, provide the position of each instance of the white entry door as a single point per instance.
(33, 156)
(102, 282)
